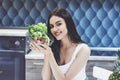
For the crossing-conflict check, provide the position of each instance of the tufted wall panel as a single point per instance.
(97, 21)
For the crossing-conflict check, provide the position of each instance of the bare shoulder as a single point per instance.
(85, 46)
(85, 49)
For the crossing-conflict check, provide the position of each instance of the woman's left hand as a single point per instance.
(43, 48)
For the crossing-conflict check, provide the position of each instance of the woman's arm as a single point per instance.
(55, 68)
(79, 62)
(50, 64)
(81, 59)
(46, 70)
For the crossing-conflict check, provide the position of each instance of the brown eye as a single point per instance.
(51, 26)
(58, 24)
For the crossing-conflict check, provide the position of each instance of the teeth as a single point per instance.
(57, 33)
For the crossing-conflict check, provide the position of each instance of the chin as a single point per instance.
(58, 38)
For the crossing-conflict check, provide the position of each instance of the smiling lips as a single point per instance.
(57, 33)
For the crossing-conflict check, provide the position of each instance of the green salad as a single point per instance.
(39, 32)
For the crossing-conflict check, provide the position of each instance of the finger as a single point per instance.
(37, 47)
(34, 40)
(43, 46)
(32, 46)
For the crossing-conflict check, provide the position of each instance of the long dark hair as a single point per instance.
(72, 33)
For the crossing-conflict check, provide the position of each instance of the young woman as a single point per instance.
(67, 57)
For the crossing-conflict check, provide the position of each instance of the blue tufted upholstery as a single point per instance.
(97, 21)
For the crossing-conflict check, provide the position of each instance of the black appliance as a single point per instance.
(12, 65)
(13, 47)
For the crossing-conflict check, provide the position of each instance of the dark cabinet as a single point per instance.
(12, 65)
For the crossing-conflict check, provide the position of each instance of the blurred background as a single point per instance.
(97, 21)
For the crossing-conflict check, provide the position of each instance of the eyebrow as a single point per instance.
(57, 22)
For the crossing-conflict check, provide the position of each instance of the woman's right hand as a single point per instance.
(40, 47)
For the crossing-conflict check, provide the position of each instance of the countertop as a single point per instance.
(34, 55)
(13, 32)
(38, 55)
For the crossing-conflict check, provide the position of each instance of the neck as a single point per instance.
(66, 43)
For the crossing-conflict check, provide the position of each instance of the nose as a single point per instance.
(54, 29)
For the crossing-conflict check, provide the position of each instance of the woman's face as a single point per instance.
(58, 27)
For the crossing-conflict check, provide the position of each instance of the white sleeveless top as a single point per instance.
(81, 75)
